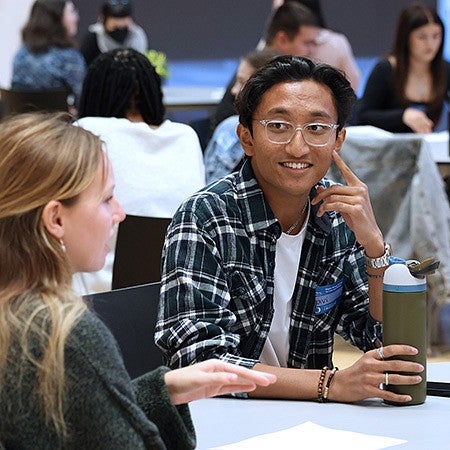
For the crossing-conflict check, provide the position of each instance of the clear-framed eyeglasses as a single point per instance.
(316, 134)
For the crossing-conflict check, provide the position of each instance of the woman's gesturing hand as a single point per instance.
(212, 377)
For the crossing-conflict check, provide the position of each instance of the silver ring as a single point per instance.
(380, 353)
(386, 381)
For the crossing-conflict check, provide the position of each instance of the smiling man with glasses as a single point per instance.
(262, 267)
(314, 134)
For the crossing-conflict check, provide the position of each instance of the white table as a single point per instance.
(223, 421)
(178, 98)
(438, 146)
(437, 143)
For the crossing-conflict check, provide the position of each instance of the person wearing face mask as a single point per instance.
(115, 29)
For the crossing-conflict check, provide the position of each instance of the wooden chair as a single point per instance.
(139, 245)
(18, 101)
(131, 315)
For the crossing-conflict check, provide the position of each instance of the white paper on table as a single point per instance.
(317, 436)
(437, 144)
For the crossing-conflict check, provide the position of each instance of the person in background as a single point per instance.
(48, 58)
(157, 162)
(224, 150)
(406, 91)
(115, 29)
(291, 30)
(264, 266)
(331, 47)
(63, 383)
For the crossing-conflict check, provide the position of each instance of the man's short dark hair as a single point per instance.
(289, 17)
(286, 69)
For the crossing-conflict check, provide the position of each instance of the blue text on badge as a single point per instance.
(327, 297)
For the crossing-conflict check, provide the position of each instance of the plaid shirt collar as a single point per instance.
(258, 213)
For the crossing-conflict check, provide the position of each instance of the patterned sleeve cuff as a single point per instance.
(233, 359)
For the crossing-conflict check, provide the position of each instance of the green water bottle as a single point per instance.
(404, 322)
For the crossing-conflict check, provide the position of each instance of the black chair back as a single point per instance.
(18, 101)
(203, 129)
(131, 316)
(139, 244)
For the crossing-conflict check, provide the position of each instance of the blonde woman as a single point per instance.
(62, 381)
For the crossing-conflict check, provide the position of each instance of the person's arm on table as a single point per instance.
(355, 383)
(417, 120)
(210, 378)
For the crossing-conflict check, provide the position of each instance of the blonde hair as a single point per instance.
(43, 157)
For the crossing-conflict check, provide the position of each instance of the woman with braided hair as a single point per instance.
(157, 162)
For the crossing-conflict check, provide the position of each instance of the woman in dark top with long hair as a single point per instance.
(406, 91)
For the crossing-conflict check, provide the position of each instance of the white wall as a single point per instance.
(13, 15)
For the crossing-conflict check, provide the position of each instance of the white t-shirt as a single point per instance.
(287, 258)
(154, 171)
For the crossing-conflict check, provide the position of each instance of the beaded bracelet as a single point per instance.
(327, 387)
(320, 385)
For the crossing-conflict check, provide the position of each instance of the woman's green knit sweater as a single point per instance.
(103, 408)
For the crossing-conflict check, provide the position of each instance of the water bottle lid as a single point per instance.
(397, 278)
(396, 260)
